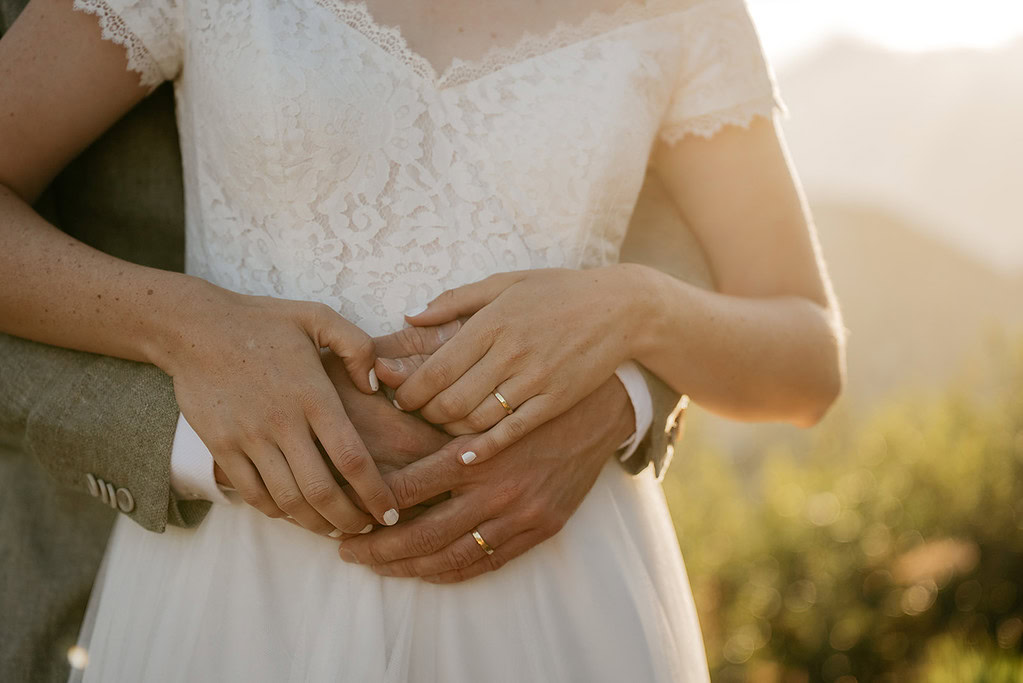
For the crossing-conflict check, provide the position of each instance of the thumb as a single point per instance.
(464, 300)
(394, 371)
(416, 341)
(354, 347)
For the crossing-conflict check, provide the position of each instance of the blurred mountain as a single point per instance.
(916, 308)
(935, 136)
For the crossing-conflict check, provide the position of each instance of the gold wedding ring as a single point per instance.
(504, 404)
(483, 544)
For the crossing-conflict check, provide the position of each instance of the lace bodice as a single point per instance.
(332, 156)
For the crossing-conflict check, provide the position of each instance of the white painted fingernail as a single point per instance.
(448, 330)
(335, 533)
(414, 311)
(366, 529)
(391, 517)
(468, 457)
(373, 383)
(395, 402)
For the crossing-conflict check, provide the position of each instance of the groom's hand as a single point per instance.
(515, 501)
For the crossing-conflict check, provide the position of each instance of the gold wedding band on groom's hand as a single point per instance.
(504, 404)
(483, 544)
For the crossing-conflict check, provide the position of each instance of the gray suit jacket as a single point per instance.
(98, 431)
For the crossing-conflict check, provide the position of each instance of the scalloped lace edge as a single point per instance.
(140, 60)
(389, 38)
(708, 125)
(357, 15)
(531, 45)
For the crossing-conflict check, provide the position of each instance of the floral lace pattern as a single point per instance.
(324, 160)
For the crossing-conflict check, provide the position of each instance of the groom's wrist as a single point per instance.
(642, 414)
(192, 474)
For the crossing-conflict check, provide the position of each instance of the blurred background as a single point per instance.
(886, 543)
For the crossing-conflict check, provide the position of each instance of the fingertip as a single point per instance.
(374, 383)
(468, 457)
(416, 310)
(390, 371)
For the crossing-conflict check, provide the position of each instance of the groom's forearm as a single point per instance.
(89, 419)
(659, 238)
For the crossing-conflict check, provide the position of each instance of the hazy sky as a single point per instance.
(789, 27)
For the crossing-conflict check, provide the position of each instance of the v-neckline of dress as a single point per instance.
(390, 39)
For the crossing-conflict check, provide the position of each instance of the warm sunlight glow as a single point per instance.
(78, 657)
(789, 27)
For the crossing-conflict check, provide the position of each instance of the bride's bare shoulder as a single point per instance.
(61, 85)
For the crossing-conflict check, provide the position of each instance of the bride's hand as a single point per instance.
(248, 377)
(542, 339)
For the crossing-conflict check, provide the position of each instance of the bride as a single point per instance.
(347, 163)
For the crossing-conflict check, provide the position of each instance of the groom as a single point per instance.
(104, 428)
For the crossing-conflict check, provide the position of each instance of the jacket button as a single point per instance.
(93, 486)
(125, 501)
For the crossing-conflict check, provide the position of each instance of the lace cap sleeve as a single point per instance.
(149, 30)
(724, 78)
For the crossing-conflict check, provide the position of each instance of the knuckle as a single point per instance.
(435, 372)
(376, 555)
(506, 493)
(534, 514)
(349, 460)
(222, 442)
(423, 540)
(517, 348)
(313, 402)
(277, 418)
(321, 311)
(376, 497)
(542, 369)
(407, 490)
(365, 347)
(550, 524)
(289, 500)
(515, 427)
(461, 557)
(451, 405)
(320, 492)
(410, 340)
(259, 500)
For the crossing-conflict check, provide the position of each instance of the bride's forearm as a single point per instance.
(771, 358)
(60, 291)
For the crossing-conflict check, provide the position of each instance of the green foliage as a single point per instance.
(891, 550)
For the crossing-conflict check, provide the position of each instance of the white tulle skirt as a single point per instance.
(247, 598)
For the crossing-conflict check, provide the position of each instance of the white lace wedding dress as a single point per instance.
(371, 157)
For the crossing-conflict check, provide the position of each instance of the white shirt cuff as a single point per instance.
(642, 405)
(191, 467)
